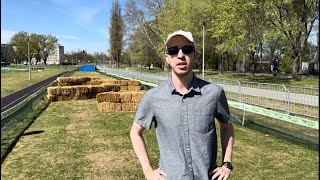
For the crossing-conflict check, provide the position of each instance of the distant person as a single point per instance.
(183, 110)
(275, 66)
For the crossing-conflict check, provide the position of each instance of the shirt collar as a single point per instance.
(194, 85)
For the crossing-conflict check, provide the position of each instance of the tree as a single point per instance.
(20, 43)
(40, 45)
(116, 33)
(143, 27)
(295, 19)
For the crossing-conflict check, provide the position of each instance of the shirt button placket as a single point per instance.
(187, 135)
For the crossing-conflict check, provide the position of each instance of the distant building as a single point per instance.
(7, 53)
(55, 56)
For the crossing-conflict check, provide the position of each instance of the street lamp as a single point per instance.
(203, 25)
(29, 58)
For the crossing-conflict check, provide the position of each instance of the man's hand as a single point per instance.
(220, 173)
(155, 175)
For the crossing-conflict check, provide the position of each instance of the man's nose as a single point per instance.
(180, 53)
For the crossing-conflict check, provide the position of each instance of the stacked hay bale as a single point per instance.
(67, 93)
(131, 85)
(119, 101)
(78, 88)
(75, 81)
(87, 87)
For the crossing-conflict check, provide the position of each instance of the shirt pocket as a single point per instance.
(204, 122)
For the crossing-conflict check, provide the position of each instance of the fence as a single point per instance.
(16, 114)
(293, 100)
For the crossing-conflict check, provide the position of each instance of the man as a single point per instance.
(183, 111)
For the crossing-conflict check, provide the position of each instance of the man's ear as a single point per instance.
(166, 56)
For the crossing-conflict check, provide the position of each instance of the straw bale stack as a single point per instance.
(96, 82)
(134, 88)
(123, 88)
(129, 106)
(108, 106)
(124, 83)
(67, 93)
(113, 97)
(129, 101)
(133, 83)
(74, 81)
(136, 97)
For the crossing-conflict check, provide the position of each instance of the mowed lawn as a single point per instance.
(73, 140)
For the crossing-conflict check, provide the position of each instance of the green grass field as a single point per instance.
(73, 140)
(12, 81)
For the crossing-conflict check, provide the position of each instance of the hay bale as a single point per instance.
(94, 77)
(96, 82)
(67, 90)
(113, 97)
(107, 81)
(104, 88)
(51, 98)
(129, 106)
(110, 87)
(111, 81)
(123, 88)
(134, 88)
(123, 82)
(74, 81)
(136, 97)
(126, 97)
(53, 90)
(109, 107)
(133, 83)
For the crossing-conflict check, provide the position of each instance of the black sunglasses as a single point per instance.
(175, 50)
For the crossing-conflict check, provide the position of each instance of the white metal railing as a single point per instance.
(294, 100)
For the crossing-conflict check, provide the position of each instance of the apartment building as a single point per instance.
(56, 55)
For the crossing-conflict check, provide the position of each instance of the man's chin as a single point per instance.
(181, 73)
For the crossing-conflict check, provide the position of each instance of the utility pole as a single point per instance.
(203, 26)
(29, 61)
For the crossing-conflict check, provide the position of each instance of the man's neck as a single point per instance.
(182, 83)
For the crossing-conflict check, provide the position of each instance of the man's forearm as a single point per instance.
(227, 138)
(141, 151)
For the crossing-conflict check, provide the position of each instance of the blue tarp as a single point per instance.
(87, 68)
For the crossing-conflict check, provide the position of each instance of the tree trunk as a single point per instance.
(221, 63)
(295, 59)
(252, 64)
(228, 62)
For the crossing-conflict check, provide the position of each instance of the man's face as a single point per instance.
(181, 63)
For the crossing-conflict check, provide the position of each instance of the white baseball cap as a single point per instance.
(187, 35)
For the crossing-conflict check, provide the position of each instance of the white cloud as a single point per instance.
(6, 35)
(67, 37)
(81, 11)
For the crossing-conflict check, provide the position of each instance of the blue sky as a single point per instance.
(78, 24)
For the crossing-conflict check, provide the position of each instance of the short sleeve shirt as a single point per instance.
(185, 126)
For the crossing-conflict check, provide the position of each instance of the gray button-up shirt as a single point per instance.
(185, 127)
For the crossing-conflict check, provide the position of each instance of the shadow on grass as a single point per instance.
(9, 141)
(32, 133)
